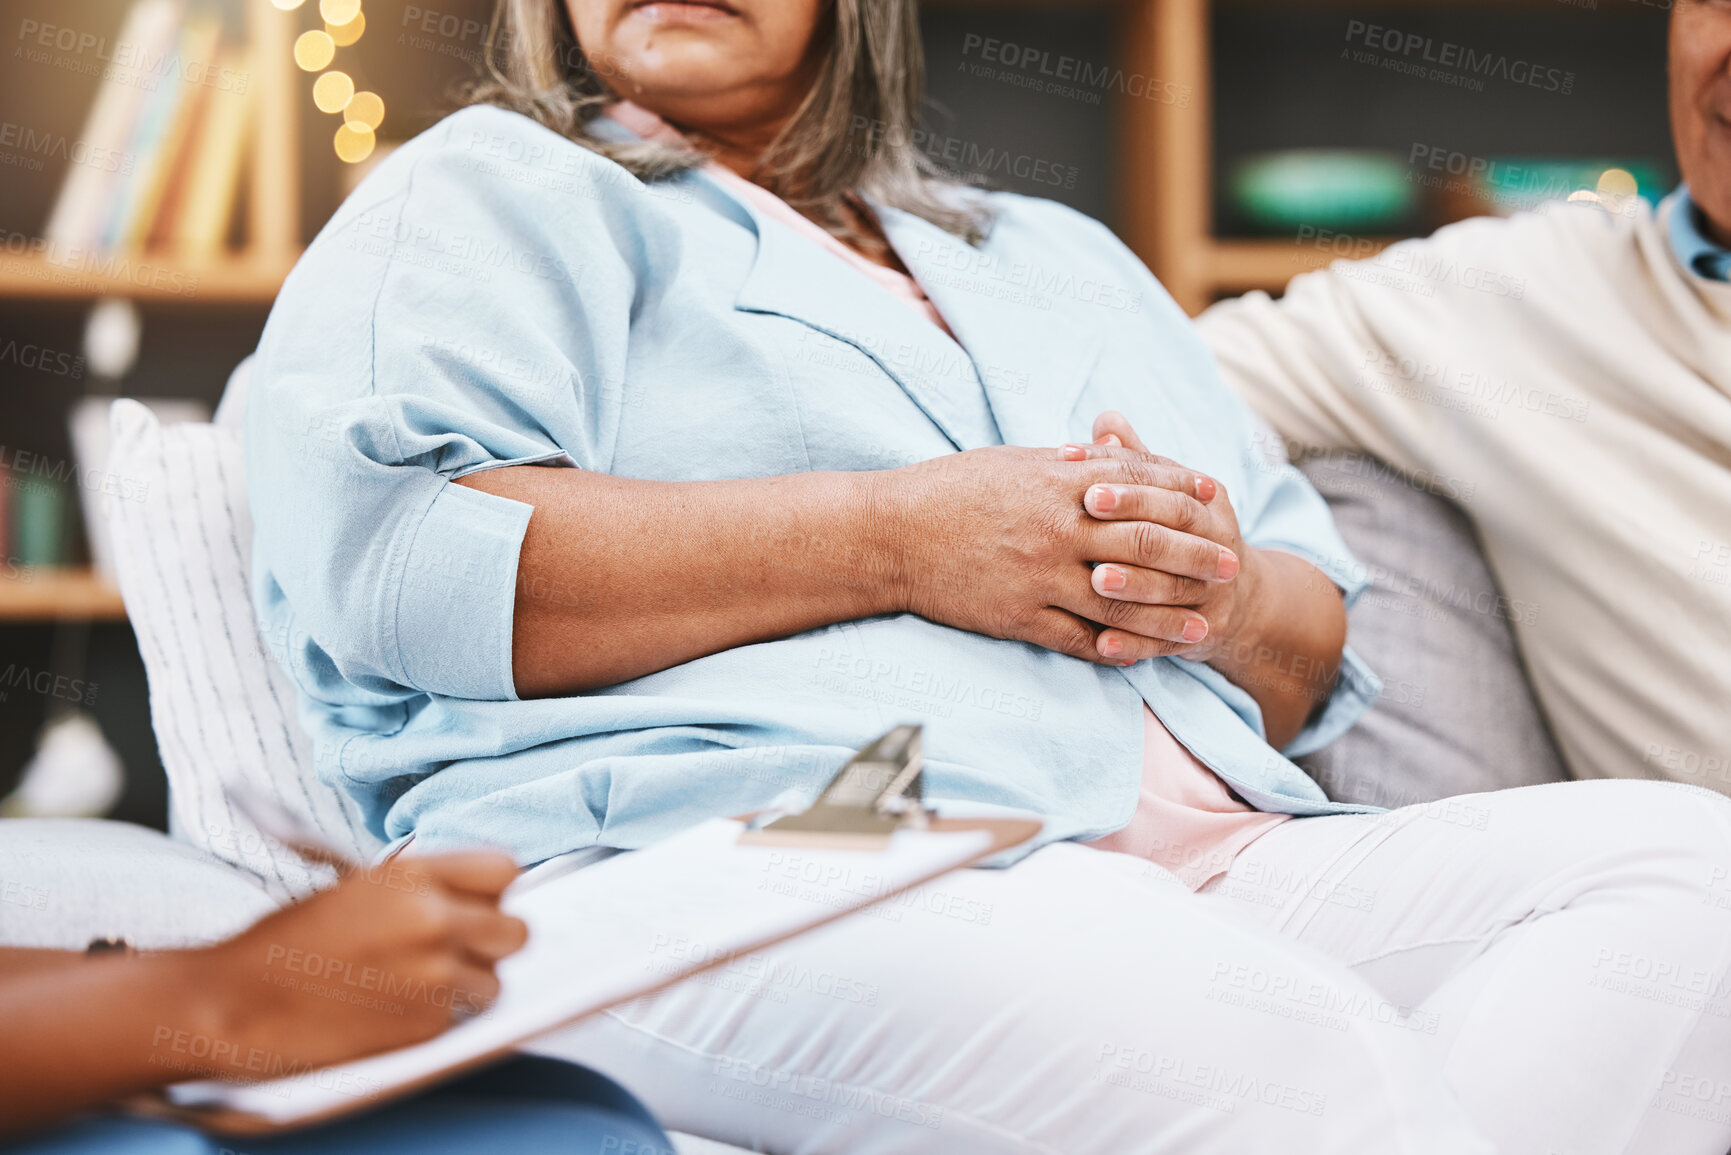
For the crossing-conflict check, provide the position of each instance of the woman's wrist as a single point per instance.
(889, 529)
(1286, 648)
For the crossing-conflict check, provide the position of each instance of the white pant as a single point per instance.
(1534, 972)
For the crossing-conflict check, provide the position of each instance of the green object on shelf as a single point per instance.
(1324, 188)
(39, 516)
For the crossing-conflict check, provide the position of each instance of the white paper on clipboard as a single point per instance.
(604, 934)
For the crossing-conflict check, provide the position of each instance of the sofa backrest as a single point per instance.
(1457, 713)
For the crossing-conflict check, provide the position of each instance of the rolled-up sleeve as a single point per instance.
(404, 579)
(461, 565)
(403, 355)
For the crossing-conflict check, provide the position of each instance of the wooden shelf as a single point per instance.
(66, 595)
(1239, 266)
(1167, 196)
(144, 277)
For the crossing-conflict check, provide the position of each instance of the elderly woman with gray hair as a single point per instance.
(676, 430)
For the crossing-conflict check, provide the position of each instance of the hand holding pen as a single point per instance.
(391, 955)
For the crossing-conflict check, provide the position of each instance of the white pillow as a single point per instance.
(66, 881)
(222, 710)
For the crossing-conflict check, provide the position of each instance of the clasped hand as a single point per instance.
(1105, 552)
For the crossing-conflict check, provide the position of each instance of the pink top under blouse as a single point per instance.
(1186, 818)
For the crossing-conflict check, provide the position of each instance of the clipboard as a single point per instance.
(638, 923)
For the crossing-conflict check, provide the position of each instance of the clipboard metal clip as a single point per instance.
(874, 795)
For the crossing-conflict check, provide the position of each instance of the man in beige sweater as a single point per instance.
(1570, 371)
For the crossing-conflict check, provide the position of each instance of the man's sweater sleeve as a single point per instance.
(1323, 364)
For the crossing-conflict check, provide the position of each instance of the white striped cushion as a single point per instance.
(222, 710)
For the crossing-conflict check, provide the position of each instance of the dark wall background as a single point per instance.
(1006, 128)
(1284, 78)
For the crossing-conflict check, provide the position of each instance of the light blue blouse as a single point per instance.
(496, 295)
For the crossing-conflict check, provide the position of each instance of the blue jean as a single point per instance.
(527, 1106)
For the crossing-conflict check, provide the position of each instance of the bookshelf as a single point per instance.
(251, 274)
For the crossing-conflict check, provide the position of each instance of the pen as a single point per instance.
(277, 822)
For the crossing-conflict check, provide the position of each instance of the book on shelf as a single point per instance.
(161, 137)
(89, 191)
(37, 512)
(210, 192)
(180, 120)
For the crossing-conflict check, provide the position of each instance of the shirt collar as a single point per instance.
(1699, 253)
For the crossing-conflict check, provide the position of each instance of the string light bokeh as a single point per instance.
(1617, 191)
(334, 90)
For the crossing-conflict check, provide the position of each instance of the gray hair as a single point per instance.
(853, 133)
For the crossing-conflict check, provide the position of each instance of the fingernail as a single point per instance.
(1075, 453)
(1102, 498)
(1110, 578)
(1111, 441)
(1206, 489)
(1228, 565)
(1195, 630)
(1111, 646)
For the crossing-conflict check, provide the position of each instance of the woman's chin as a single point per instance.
(676, 77)
(683, 56)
